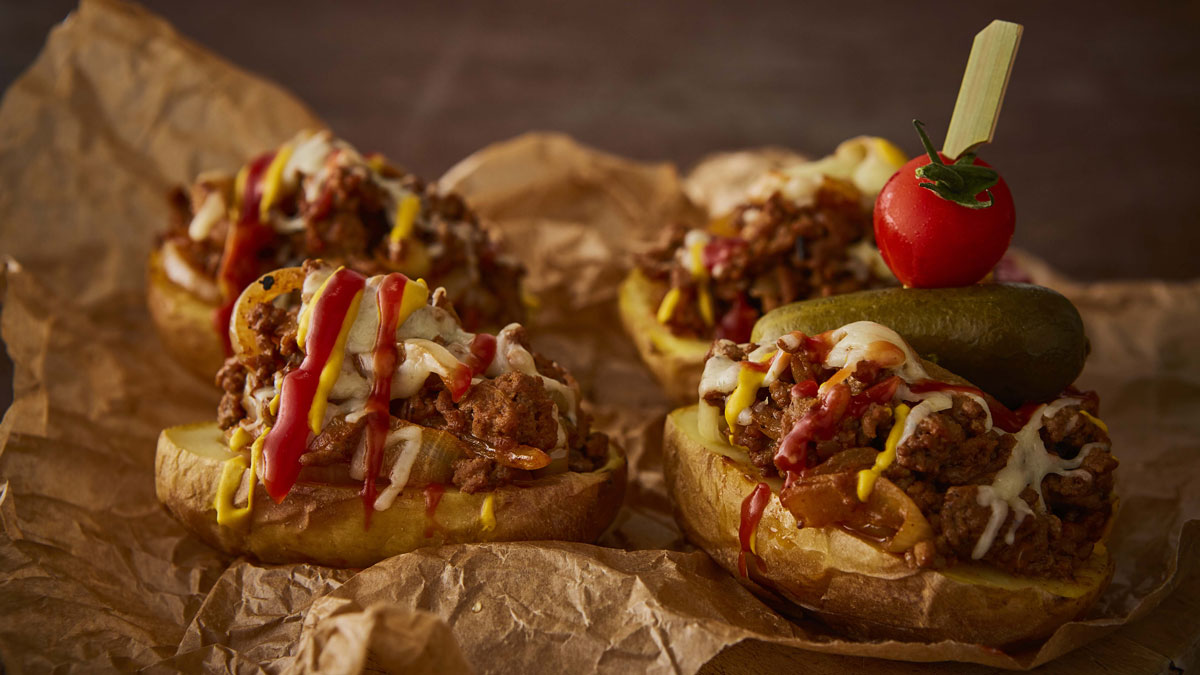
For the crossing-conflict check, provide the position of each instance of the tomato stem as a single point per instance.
(959, 182)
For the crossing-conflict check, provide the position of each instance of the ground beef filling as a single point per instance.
(781, 253)
(495, 415)
(943, 464)
(347, 223)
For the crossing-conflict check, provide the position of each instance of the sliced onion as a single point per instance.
(282, 282)
(889, 517)
(524, 457)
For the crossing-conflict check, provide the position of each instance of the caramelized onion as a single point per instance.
(524, 457)
(889, 517)
(268, 287)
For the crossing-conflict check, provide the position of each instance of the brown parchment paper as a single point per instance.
(95, 574)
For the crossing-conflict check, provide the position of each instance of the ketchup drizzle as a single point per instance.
(384, 356)
(240, 264)
(288, 439)
(752, 511)
(792, 456)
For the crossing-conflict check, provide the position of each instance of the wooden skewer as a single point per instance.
(983, 85)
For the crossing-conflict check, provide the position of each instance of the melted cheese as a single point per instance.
(409, 438)
(207, 216)
(1028, 465)
(856, 342)
(867, 162)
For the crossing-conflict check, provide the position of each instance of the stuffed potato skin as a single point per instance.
(323, 524)
(850, 583)
(676, 362)
(184, 322)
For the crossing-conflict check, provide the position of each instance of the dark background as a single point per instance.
(1098, 137)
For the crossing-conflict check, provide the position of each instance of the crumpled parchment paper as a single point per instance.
(94, 573)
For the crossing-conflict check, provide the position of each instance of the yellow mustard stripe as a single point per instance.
(706, 304)
(231, 479)
(239, 190)
(273, 180)
(722, 226)
(697, 260)
(227, 485)
(376, 162)
(748, 384)
(333, 368)
(406, 215)
(302, 322)
(415, 296)
(273, 405)
(669, 302)
(487, 514)
(530, 301)
(867, 477)
(240, 439)
(1095, 420)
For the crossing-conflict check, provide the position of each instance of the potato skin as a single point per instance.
(184, 322)
(676, 362)
(850, 583)
(323, 524)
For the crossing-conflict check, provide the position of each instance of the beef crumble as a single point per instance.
(780, 253)
(943, 464)
(495, 414)
(347, 222)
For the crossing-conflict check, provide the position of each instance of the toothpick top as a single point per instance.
(983, 87)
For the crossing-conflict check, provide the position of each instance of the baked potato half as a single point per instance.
(323, 523)
(850, 583)
(184, 321)
(675, 361)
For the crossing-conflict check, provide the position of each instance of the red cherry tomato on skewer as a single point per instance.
(949, 236)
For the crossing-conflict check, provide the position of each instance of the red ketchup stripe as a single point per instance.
(240, 264)
(752, 511)
(483, 351)
(818, 423)
(384, 356)
(288, 439)
(1009, 420)
(433, 495)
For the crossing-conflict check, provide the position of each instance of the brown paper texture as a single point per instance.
(95, 574)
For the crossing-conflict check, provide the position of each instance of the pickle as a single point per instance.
(1018, 342)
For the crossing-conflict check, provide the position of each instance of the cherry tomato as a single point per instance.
(931, 242)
